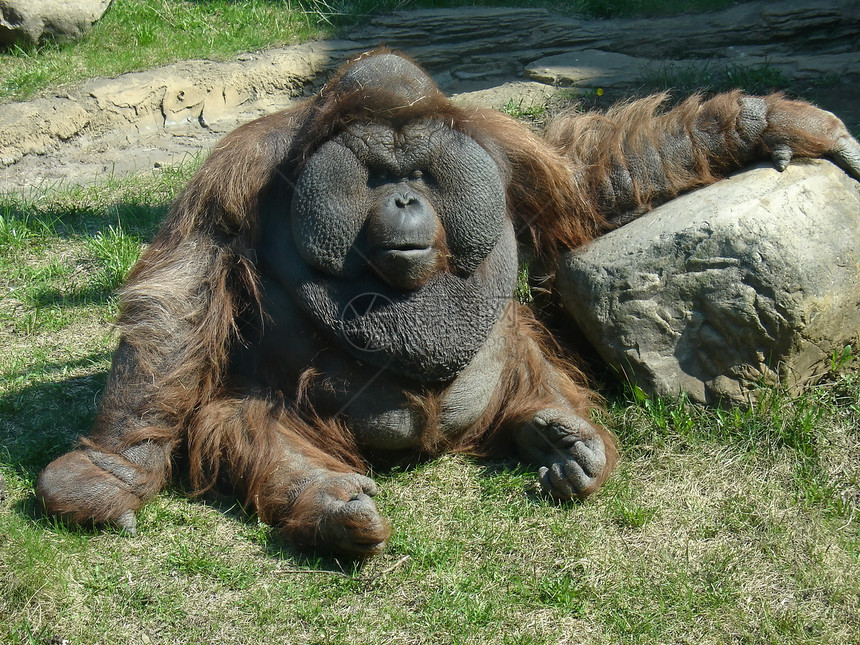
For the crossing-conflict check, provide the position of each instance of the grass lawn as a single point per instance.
(720, 526)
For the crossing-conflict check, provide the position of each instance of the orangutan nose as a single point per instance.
(402, 234)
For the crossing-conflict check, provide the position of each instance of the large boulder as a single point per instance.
(29, 21)
(751, 280)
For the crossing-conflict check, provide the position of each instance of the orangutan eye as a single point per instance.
(379, 177)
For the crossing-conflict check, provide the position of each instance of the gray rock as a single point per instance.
(590, 68)
(443, 40)
(751, 280)
(522, 94)
(102, 112)
(29, 21)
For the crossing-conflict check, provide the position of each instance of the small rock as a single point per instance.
(588, 68)
(29, 21)
(524, 94)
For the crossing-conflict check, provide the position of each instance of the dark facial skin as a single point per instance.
(416, 216)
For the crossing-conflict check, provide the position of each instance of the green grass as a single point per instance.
(141, 34)
(720, 525)
(115, 254)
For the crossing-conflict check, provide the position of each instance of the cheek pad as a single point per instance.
(471, 198)
(328, 210)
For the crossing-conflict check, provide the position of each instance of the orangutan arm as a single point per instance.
(633, 157)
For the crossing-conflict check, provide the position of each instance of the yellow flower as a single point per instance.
(599, 91)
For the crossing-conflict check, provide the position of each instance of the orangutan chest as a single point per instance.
(384, 411)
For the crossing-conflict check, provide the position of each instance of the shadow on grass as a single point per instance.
(307, 560)
(25, 218)
(92, 294)
(42, 421)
